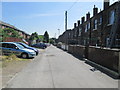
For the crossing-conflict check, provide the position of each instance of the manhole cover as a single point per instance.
(50, 55)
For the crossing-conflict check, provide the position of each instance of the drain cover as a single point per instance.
(50, 55)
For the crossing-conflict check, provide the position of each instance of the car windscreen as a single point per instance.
(25, 45)
(20, 46)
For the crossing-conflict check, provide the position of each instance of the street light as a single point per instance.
(58, 32)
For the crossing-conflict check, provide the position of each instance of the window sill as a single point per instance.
(94, 29)
(109, 24)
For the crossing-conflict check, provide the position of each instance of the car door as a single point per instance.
(13, 49)
(5, 49)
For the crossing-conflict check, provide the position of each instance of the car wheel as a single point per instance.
(24, 55)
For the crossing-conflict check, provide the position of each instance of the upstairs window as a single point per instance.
(89, 25)
(75, 33)
(111, 17)
(100, 22)
(95, 24)
(86, 28)
(80, 30)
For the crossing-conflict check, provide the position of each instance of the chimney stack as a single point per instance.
(106, 4)
(78, 22)
(95, 10)
(75, 25)
(83, 20)
(88, 16)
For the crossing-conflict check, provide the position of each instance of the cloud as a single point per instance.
(41, 15)
(45, 14)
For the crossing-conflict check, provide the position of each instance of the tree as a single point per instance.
(46, 37)
(34, 36)
(41, 37)
(52, 40)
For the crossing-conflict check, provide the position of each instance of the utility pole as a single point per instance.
(65, 20)
(58, 32)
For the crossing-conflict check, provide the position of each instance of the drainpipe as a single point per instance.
(119, 65)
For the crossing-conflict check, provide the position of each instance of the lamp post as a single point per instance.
(58, 32)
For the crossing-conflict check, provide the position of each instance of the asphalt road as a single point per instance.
(55, 68)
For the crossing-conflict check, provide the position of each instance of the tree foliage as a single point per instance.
(41, 37)
(46, 37)
(34, 36)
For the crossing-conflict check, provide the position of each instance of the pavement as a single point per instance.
(55, 68)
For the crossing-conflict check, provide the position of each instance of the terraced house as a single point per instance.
(102, 29)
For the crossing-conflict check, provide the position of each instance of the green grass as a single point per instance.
(11, 58)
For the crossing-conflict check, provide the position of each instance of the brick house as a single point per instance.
(20, 32)
(100, 30)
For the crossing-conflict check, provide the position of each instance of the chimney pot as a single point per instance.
(88, 16)
(95, 10)
(74, 25)
(106, 4)
(82, 20)
(78, 22)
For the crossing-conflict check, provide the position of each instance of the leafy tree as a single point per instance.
(34, 36)
(52, 41)
(41, 37)
(1, 36)
(46, 37)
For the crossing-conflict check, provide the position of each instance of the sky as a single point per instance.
(45, 16)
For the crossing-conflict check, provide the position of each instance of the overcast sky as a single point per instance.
(45, 16)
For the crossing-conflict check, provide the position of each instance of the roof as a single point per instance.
(11, 26)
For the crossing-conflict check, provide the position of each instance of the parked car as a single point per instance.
(17, 49)
(40, 45)
(28, 47)
(47, 44)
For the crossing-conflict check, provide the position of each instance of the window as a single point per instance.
(75, 32)
(100, 22)
(69, 34)
(80, 31)
(111, 17)
(95, 24)
(11, 46)
(86, 28)
(89, 25)
(4, 45)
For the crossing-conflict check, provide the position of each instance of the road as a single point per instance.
(55, 68)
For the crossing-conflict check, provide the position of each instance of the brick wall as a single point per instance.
(106, 57)
(76, 50)
(12, 39)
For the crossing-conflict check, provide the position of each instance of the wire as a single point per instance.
(72, 5)
(68, 10)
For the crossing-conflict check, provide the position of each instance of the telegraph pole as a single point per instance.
(58, 32)
(65, 20)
